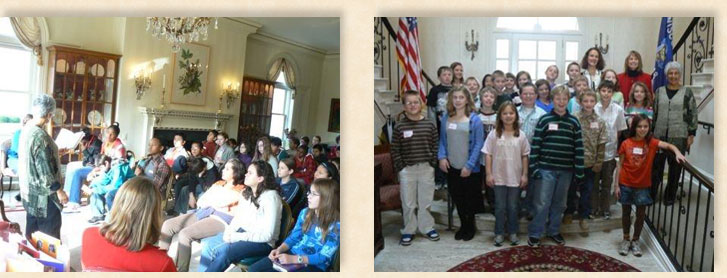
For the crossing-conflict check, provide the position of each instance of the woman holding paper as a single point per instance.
(309, 246)
(39, 172)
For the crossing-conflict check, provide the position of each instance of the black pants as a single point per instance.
(675, 170)
(464, 192)
(51, 224)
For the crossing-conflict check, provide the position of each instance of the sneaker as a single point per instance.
(625, 246)
(635, 248)
(72, 208)
(584, 224)
(567, 219)
(172, 212)
(514, 240)
(17, 197)
(499, 239)
(96, 219)
(406, 239)
(529, 217)
(533, 242)
(558, 239)
(606, 215)
(433, 235)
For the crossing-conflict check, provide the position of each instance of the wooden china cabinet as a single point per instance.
(84, 84)
(255, 110)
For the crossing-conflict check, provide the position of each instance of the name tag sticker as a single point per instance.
(408, 133)
(552, 126)
(594, 125)
(638, 151)
(452, 126)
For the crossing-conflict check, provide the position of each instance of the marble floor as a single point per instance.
(425, 255)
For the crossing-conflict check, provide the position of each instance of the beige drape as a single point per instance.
(282, 65)
(27, 29)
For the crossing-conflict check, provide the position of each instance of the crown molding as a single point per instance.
(264, 35)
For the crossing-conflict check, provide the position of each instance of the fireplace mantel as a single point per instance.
(180, 119)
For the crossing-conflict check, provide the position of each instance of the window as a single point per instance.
(18, 78)
(538, 23)
(282, 111)
(532, 44)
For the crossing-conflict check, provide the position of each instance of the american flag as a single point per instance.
(407, 51)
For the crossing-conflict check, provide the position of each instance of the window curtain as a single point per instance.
(282, 65)
(27, 29)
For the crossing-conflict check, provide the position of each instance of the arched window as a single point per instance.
(18, 79)
(282, 113)
(532, 44)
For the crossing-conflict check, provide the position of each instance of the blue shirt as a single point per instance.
(320, 254)
(290, 189)
(545, 107)
(13, 151)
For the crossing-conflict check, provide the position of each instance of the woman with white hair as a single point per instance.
(675, 122)
(39, 172)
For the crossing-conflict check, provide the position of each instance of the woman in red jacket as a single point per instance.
(632, 73)
(126, 242)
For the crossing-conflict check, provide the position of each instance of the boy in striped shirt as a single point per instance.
(414, 146)
(556, 155)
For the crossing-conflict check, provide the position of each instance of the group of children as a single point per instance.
(563, 144)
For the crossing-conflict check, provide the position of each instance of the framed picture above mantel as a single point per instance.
(190, 70)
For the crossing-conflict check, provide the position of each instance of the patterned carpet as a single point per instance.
(547, 258)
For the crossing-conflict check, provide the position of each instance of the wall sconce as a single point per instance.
(473, 45)
(598, 40)
(231, 92)
(142, 82)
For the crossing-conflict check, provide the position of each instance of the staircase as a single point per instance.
(385, 99)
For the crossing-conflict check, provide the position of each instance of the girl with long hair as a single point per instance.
(315, 239)
(264, 152)
(256, 225)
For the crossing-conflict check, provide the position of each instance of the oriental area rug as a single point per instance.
(546, 258)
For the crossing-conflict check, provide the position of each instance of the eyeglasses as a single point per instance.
(412, 103)
(314, 194)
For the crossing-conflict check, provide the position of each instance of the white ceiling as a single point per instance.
(319, 32)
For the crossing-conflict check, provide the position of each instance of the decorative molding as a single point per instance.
(157, 115)
(249, 23)
(266, 36)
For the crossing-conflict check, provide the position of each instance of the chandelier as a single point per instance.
(179, 30)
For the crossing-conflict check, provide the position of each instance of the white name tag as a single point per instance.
(552, 126)
(408, 133)
(594, 125)
(452, 126)
(638, 151)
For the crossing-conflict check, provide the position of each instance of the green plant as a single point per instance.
(9, 120)
(190, 80)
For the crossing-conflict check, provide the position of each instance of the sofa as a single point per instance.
(389, 191)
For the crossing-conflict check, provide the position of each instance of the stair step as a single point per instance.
(378, 71)
(380, 83)
(384, 96)
(702, 78)
(708, 66)
(395, 108)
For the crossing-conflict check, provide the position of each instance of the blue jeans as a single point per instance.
(73, 182)
(529, 198)
(506, 201)
(110, 198)
(266, 265)
(581, 203)
(550, 194)
(217, 255)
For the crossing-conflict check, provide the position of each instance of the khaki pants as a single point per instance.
(417, 191)
(601, 193)
(188, 229)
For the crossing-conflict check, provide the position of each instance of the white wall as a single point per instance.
(317, 78)
(128, 37)
(442, 41)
